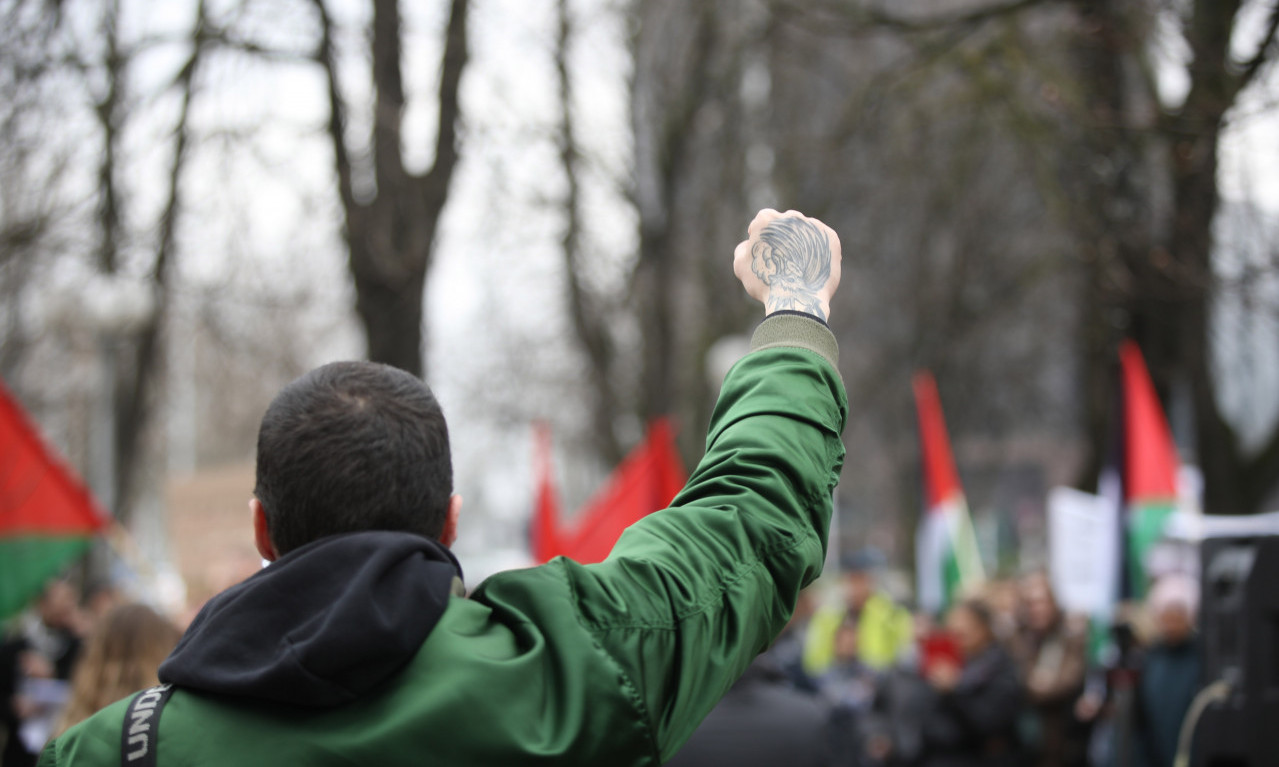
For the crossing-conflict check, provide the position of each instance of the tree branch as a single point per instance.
(859, 18)
(883, 18)
(106, 109)
(388, 104)
(133, 405)
(591, 331)
(436, 181)
(1254, 64)
(326, 57)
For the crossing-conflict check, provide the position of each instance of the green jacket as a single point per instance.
(607, 664)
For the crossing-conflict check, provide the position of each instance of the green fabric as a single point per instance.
(607, 664)
(1146, 528)
(884, 629)
(27, 562)
(962, 569)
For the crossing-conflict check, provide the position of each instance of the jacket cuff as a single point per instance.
(797, 330)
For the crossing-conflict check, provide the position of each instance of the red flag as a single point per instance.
(545, 537)
(47, 517)
(1150, 456)
(647, 480)
(941, 480)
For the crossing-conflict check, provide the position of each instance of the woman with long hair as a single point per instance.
(121, 657)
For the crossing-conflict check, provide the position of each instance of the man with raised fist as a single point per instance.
(357, 645)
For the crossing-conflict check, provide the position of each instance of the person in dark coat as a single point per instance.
(972, 719)
(1170, 671)
(762, 721)
(1052, 655)
(849, 687)
(47, 649)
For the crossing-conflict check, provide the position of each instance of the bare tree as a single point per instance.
(391, 234)
(138, 364)
(1143, 179)
(1130, 179)
(1180, 284)
(68, 76)
(590, 319)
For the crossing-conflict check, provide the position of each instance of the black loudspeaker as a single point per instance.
(1239, 628)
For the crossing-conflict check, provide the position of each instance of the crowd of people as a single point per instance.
(68, 658)
(1005, 678)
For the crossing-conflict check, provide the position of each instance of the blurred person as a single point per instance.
(787, 653)
(972, 716)
(1170, 671)
(38, 661)
(358, 644)
(893, 731)
(1051, 650)
(1005, 600)
(849, 682)
(1110, 689)
(121, 656)
(761, 722)
(55, 637)
(884, 628)
(850, 689)
(11, 749)
(101, 598)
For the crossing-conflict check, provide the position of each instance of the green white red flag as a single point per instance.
(1149, 470)
(947, 560)
(47, 517)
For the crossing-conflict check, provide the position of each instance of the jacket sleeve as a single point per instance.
(691, 594)
(48, 755)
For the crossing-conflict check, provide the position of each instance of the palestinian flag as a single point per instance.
(1148, 470)
(47, 517)
(947, 561)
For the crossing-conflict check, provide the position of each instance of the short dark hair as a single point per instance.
(353, 446)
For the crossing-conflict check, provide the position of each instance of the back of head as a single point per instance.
(121, 657)
(349, 447)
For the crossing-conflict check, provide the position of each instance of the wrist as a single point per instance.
(797, 303)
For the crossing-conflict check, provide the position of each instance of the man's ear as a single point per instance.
(449, 534)
(261, 534)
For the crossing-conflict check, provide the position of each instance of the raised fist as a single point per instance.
(789, 262)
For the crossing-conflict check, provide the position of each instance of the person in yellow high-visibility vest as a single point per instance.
(884, 628)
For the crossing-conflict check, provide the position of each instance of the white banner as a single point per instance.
(1083, 550)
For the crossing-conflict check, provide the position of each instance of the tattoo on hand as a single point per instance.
(792, 257)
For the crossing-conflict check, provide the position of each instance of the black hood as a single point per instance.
(322, 625)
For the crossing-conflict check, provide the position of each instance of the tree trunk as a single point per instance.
(1110, 179)
(1234, 482)
(667, 93)
(391, 237)
(589, 323)
(137, 363)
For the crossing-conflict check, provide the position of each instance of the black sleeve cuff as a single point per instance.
(798, 314)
